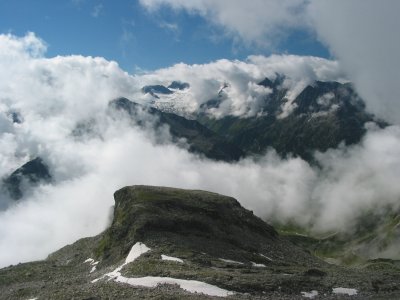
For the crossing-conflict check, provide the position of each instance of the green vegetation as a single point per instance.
(374, 233)
(220, 243)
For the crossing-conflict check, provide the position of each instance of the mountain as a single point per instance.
(200, 139)
(374, 237)
(321, 117)
(167, 243)
(27, 176)
(156, 89)
(171, 99)
(178, 85)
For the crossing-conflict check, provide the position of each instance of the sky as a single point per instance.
(61, 62)
(136, 37)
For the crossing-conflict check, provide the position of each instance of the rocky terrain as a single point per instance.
(199, 138)
(320, 117)
(27, 176)
(167, 243)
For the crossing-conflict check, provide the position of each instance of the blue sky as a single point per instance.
(126, 32)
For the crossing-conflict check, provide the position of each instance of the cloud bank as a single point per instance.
(243, 94)
(53, 95)
(361, 34)
(256, 22)
(365, 42)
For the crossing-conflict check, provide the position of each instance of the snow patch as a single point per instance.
(346, 291)
(310, 295)
(93, 263)
(192, 286)
(137, 250)
(231, 261)
(257, 265)
(181, 102)
(171, 258)
(270, 259)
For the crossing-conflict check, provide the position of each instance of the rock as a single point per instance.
(28, 175)
(201, 228)
(177, 85)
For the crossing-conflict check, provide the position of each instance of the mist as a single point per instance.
(53, 95)
(365, 44)
(359, 34)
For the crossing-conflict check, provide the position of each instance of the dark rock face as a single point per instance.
(323, 115)
(16, 117)
(156, 89)
(151, 214)
(177, 85)
(30, 174)
(201, 140)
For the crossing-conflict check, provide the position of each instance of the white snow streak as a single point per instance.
(192, 286)
(270, 259)
(257, 265)
(137, 250)
(93, 263)
(346, 291)
(170, 258)
(310, 295)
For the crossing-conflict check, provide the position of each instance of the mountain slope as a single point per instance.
(193, 241)
(322, 116)
(375, 236)
(27, 176)
(200, 139)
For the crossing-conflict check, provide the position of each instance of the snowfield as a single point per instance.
(192, 286)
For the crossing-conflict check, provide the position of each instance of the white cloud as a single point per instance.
(97, 10)
(29, 46)
(358, 179)
(173, 27)
(362, 35)
(243, 94)
(257, 22)
(54, 94)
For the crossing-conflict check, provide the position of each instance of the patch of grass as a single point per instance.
(103, 246)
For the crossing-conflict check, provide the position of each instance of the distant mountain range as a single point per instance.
(321, 117)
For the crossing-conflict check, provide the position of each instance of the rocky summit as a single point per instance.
(168, 243)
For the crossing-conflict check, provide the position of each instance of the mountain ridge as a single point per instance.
(321, 116)
(262, 265)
